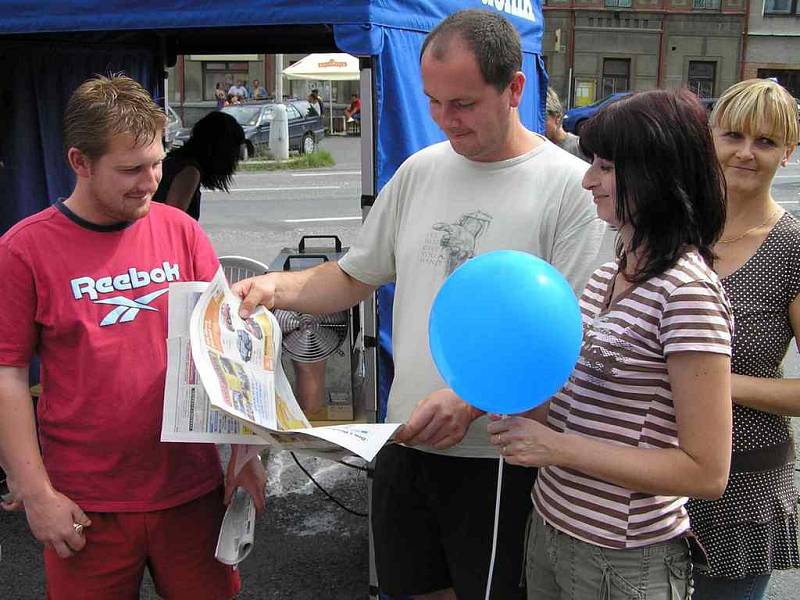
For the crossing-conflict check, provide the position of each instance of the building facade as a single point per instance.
(773, 42)
(593, 48)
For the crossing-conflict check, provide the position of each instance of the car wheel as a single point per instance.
(309, 144)
(244, 152)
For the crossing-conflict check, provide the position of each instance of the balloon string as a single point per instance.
(496, 523)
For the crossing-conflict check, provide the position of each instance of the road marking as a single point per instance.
(322, 219)
(787, 176)
(326, 173)
(277, 189)
(787, 201)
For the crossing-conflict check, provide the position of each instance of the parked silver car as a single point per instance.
(174, 125)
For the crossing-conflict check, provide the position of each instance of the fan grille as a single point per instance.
(311, 338)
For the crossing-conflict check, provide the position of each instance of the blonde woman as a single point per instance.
(752, 529)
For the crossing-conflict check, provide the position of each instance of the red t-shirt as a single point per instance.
(92, 301)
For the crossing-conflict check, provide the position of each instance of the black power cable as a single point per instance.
(352, 466)
(324, 491)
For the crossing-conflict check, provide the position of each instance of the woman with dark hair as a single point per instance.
(644, 421)
(752, 529)
(209, 158)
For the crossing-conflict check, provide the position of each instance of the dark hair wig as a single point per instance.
(215, 145)
(670, 188)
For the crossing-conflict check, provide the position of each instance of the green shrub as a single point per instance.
(314, 160)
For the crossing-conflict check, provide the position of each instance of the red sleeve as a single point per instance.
(18, 330)
(204, 258)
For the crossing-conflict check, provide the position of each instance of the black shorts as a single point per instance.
(432, 519)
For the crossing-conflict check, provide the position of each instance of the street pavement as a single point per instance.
(305, 546)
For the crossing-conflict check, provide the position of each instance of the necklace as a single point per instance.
(746, 231)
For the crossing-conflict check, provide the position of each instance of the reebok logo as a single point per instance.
(128, 309)
(130, 280)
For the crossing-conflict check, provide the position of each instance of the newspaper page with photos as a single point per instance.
(239, 364)
(188, 415)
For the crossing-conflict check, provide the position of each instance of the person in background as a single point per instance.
(258, 91)
(103, 495)
(492, 185)
(554, 129)
(238, 90)
(219, 94)
(644, 421)
(315, 101)
(208, 158)
(353, 111)
(752, 529)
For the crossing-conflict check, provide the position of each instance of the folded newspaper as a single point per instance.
(225, 382)
(235, 539)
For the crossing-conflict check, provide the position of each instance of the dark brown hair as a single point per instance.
(670, 188)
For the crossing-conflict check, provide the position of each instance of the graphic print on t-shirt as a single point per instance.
(126, 309)
(602, 349)
(457, 242)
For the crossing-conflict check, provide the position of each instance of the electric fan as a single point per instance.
(311, 338)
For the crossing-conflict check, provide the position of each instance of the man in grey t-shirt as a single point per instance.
(493, 185)
(554, 129)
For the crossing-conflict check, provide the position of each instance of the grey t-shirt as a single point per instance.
(441, 209)
(571, 144)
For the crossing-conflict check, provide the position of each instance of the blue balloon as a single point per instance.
(505, 331)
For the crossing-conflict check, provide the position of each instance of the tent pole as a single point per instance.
(330, 103)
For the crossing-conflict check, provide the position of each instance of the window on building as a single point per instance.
(788, 78)
(706, 4)
(226, 73)
(618, 3)
(701, 77)
(782, 7)
(616, 75)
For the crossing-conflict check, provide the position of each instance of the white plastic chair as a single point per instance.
(237, 268)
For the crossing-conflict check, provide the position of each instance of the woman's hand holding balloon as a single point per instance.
(440, 420)
(525, 442)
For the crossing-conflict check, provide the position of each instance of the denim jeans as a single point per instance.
(561, 567)
(721, 588)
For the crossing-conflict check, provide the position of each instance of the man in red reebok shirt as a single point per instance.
(85, 285)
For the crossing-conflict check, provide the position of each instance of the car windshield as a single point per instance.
(247, 115)
(607, 99)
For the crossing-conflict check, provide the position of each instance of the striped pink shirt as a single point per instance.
(620, 393)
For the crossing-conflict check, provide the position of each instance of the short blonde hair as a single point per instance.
(553, 105)
(758, 106)
(103, 107)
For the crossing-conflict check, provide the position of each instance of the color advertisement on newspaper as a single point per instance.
(225, 381)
